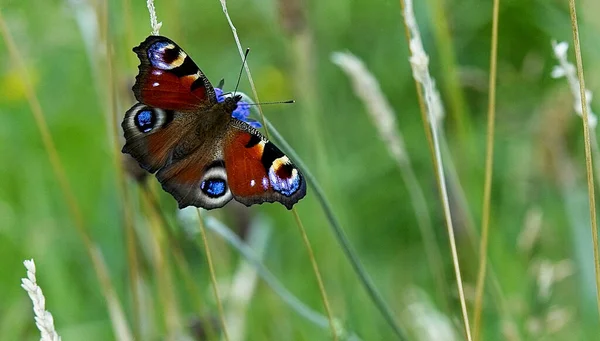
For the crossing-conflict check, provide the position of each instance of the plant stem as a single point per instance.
(587, 146)
(213, 277)
(487, 191)
(340, 235)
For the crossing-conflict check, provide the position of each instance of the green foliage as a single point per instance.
(538, 166)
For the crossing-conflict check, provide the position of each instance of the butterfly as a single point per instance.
(201, 155)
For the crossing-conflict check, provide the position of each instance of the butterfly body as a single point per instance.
(201, 154)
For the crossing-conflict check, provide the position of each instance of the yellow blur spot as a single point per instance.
(12, 85)
(274, 83)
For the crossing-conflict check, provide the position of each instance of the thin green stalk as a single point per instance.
(587, 145)
(127, 209)
(116, 313)
(294, 212)
(175, 249)
(340, 235)
(472, 236)
(595, 153)
(367, 88)
(154, 212)
(250, 256)
(213, 277)
(164, 278)
(450, 229)
(311, 256)
(487, 191)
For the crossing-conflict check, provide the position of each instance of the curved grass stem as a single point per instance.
(130, 237)
(587, 146)
(340, 235)
(487, 191)
(116, 312)
(213, 277)
(250, 256)
(366, 87)
(295, 213)
(315, 267)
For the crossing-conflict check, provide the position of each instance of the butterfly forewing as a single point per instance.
(169, 78)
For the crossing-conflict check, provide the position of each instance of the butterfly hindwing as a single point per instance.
(169, 79)
(150, 135)
(198, 180)
(189, 165)
(257, 171)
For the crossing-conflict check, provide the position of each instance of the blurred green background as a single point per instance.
(540, 287)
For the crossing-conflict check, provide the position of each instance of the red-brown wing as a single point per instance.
(257, 171)
(152, 134)
(197, 180)
(169, 79)
(188, 166)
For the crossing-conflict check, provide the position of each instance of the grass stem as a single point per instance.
(117, 315)
(367, 88)
(294, 212)
(213, 277)
(313, 261)
(420, 66)
(127, 208)
(587, 146)
(341, 237)
(487, 190)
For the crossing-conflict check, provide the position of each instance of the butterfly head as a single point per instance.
(231, 102)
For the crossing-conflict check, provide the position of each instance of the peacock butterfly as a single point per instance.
(183, 130)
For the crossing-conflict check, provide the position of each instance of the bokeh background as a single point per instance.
(77, 55)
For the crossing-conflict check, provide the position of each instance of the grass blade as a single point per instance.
(587, 145)
(487, 191)
(340, 235)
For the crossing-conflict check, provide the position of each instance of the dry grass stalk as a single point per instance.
(294, 211)
(382, 115)
(153, 19)
(43, 318)
(119, 324)
(587, 146)
(420, 67)
(213, 277)
(487, 190)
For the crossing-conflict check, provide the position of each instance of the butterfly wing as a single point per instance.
(169, 79)
(257, 171)
(150, 134)
(198, 180)
(189, 166)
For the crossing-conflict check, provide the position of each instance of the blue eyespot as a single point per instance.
(285, 185)
(160, 55)
(214, 188)
(145, 120)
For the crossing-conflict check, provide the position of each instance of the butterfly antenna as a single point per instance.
(241, 70)
(278, 102)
